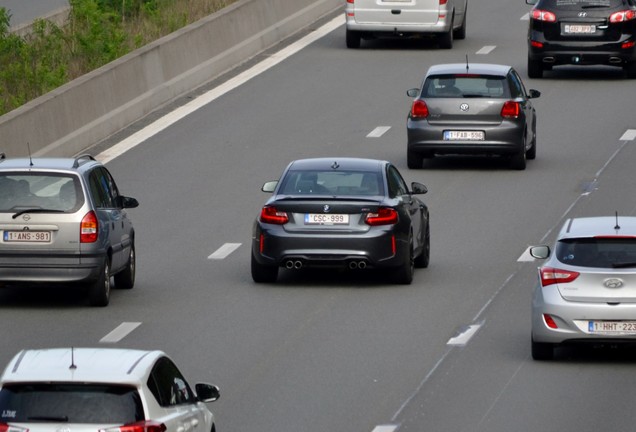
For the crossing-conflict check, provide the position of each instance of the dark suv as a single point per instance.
(63, 221)
(581, 32)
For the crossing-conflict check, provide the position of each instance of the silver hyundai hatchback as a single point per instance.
(63, 221)
(586, 290)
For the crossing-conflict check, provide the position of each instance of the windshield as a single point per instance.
(72, 403)
(605, 252)
(341, 183)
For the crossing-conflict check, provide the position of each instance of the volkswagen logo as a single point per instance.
(463, 107)
(613, 283)
(326, 208)
(582, 14)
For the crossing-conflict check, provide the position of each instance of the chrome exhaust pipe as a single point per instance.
(353, 265)
(362, 265)
(298, 264)
(615, 60)
(289, 264)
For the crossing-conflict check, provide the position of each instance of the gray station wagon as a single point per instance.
(63, 221)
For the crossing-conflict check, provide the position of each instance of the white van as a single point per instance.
(369, 19)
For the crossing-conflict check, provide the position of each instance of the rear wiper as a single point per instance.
(49, 418)
(624, 264)
(472, 95)
(596, 6)
(36, 210)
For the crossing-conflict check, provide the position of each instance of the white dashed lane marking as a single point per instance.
(487, 49)
(629, 135)
(120, 332)
(525, 256)
(464, 335)
(378, 132)
(526, 17)
(385, 428)
(224, 251)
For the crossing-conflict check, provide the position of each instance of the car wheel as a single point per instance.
(422, 259)
(531, 153)
(125, 279)
(518, 161)
(542, 350)
(263, 273)
(353, 39)
(99, 291)
(460, 33)
(404, 273)
(414, 160)
(630, 69)
(446, 39)
(535, 68)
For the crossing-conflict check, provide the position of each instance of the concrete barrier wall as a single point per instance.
(93, 107)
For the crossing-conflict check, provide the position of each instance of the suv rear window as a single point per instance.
(72, 403)
(466, 86)
(604, 252)
(585, 4)
(37, 190)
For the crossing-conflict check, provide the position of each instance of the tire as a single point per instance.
(630, 69)
(263, 273)
(99, 291)
(446, 39)
(403, 274)
(535, 68)
(353, 39)
(423, 258)
(531, 154)
(414, 160)
(460, 33)
(125, 279)
(518, 161)
(542, 351)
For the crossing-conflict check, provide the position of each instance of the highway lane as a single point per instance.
(25, 11)
(345, 352)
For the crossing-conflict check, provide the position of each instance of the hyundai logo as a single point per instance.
(613, 283)
(326, 208)
(582, 14)
(463, 107)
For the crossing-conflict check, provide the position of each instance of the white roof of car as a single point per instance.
(98, 365)
(473, 68)
(602, 226)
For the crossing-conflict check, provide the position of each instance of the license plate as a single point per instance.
(27, 236)
(326, 219)
(612, 327)
(464, 135)
(579, 28)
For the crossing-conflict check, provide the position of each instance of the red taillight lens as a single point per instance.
(443, 2)
(4, 427)
(510, 109)
(541, 15)
(536, 44)
(350, 1)
(270, 215)
(142, 426)
(419, 109)
(384, 216)
(89, 228)
(549, 321)
(622, 16)
(551, 276)
(628, 45)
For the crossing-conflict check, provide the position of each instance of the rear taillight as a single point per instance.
(270, 215)
(541, 15)
(510, 109)
(536, 44)
(4, 427)
(350, 1)
(89, 228)
(443, 2)
(622, 16)
(142, 426)
(550, 322)
(419, 109)
(384, 216)
(551, 276)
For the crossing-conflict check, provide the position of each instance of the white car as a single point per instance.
(369, 19)
(101, 389)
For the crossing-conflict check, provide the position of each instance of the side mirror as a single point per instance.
(532, 2)
(207, 392)
(533, 94)
(128, 202)
(418, 188)
(270, 186)
(412, 92)
(540, 252)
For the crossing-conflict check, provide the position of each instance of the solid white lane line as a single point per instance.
(385, 428)
(525, 256)
(181, 112)
(629, 135)
(487, 49)
(224, 251)
(464, 336)
(378, 132)
(120, 332)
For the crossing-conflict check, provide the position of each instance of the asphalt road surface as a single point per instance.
(25, 11)
(348, 351)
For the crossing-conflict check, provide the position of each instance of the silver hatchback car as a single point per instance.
(63, 221)
(586, 290)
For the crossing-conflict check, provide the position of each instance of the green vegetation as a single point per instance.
(97, 32)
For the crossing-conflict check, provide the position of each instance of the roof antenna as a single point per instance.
(30, 158)
(617, 227)
(466, 63)
(73, 365)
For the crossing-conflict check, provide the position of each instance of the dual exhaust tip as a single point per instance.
(298, 264)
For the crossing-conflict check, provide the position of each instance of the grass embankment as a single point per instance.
(97, 32)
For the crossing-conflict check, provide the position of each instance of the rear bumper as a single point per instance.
(583, 53)
(51, 268)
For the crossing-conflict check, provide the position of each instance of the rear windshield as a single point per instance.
(42, 191)
(587, 4)
(72, 403)
(347, 183)
(465, 86)
(605, 252)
